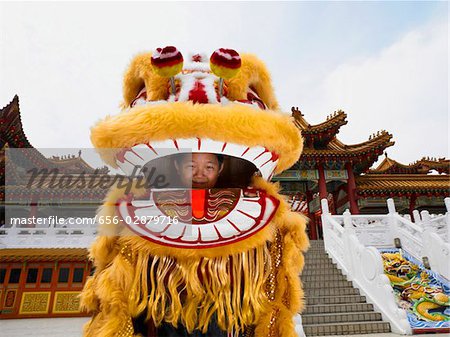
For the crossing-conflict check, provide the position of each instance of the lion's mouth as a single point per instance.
(185, 217)
(198, 218)
(132, 159)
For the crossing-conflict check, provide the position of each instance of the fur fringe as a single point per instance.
(134, 276)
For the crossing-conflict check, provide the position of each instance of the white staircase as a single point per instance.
(352, 242)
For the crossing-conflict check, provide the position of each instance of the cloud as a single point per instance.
(403, 89)
(66, 63)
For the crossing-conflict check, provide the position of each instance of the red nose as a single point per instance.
(198, 93)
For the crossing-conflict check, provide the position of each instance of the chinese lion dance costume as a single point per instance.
(230, 263)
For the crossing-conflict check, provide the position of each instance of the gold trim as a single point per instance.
(55, 302)
(26, 294)
(5, 298)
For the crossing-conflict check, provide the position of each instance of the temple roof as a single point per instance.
(319, 134)
(422, 166)
(335, 147)
(322, 145)
(11, 126)
(13, 136)
(43, 254)
(386, 184)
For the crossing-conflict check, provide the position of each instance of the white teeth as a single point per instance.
(156, 227)
(191, 234)
(252, 153)
(174, 231)
(252, 208)
(160, 228)
(234, 150)
(187, 145)
(126, 167)
(262, 159)
(270, 207)
(134, 158)
(143, 153)
(164, 147)
(145, 213)
(142, 203)
(226, 230)
(241, 221)
(208, 233)
(213, 146)
(267, 169)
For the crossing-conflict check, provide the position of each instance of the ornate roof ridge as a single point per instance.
(393, 176)
(424, 165)
(334, 120)
(424, 184)
(66, 162)
(11, 119)
(335, 146)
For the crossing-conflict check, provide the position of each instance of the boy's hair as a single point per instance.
(179, 157)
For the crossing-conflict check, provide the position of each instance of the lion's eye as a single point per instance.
(141, 98)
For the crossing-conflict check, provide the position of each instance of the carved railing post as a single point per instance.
(426, 221)
(393, 223)
(447, 217)
(416, 217)
(324, 204)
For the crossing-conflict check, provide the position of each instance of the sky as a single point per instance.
(384, 63)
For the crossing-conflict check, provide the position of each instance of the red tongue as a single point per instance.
(198, 203)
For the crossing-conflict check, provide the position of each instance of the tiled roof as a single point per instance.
(424, 165)
(336, 120)
(388, 183)
(335, 147)
(43, 254)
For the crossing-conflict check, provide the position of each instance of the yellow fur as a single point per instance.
(127, 264)
(232, 123)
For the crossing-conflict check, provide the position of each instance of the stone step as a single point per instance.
(341, 317)
(331, 292)
(318, 261)
(317, 257)
(319, 252)
(326, 284)
(337, 308)
(309, 263)
(316, 249)
(320, 271)
(323, 278)
(342, 299)
(319, 266)
(346, 328)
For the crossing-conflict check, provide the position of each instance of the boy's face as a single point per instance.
(199, 170)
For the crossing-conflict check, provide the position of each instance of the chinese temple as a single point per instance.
(342, 174)
(43, 268)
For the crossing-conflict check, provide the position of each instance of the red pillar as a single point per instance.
(351, 189)
(412, 204)
(312, 223)
(323, 194)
